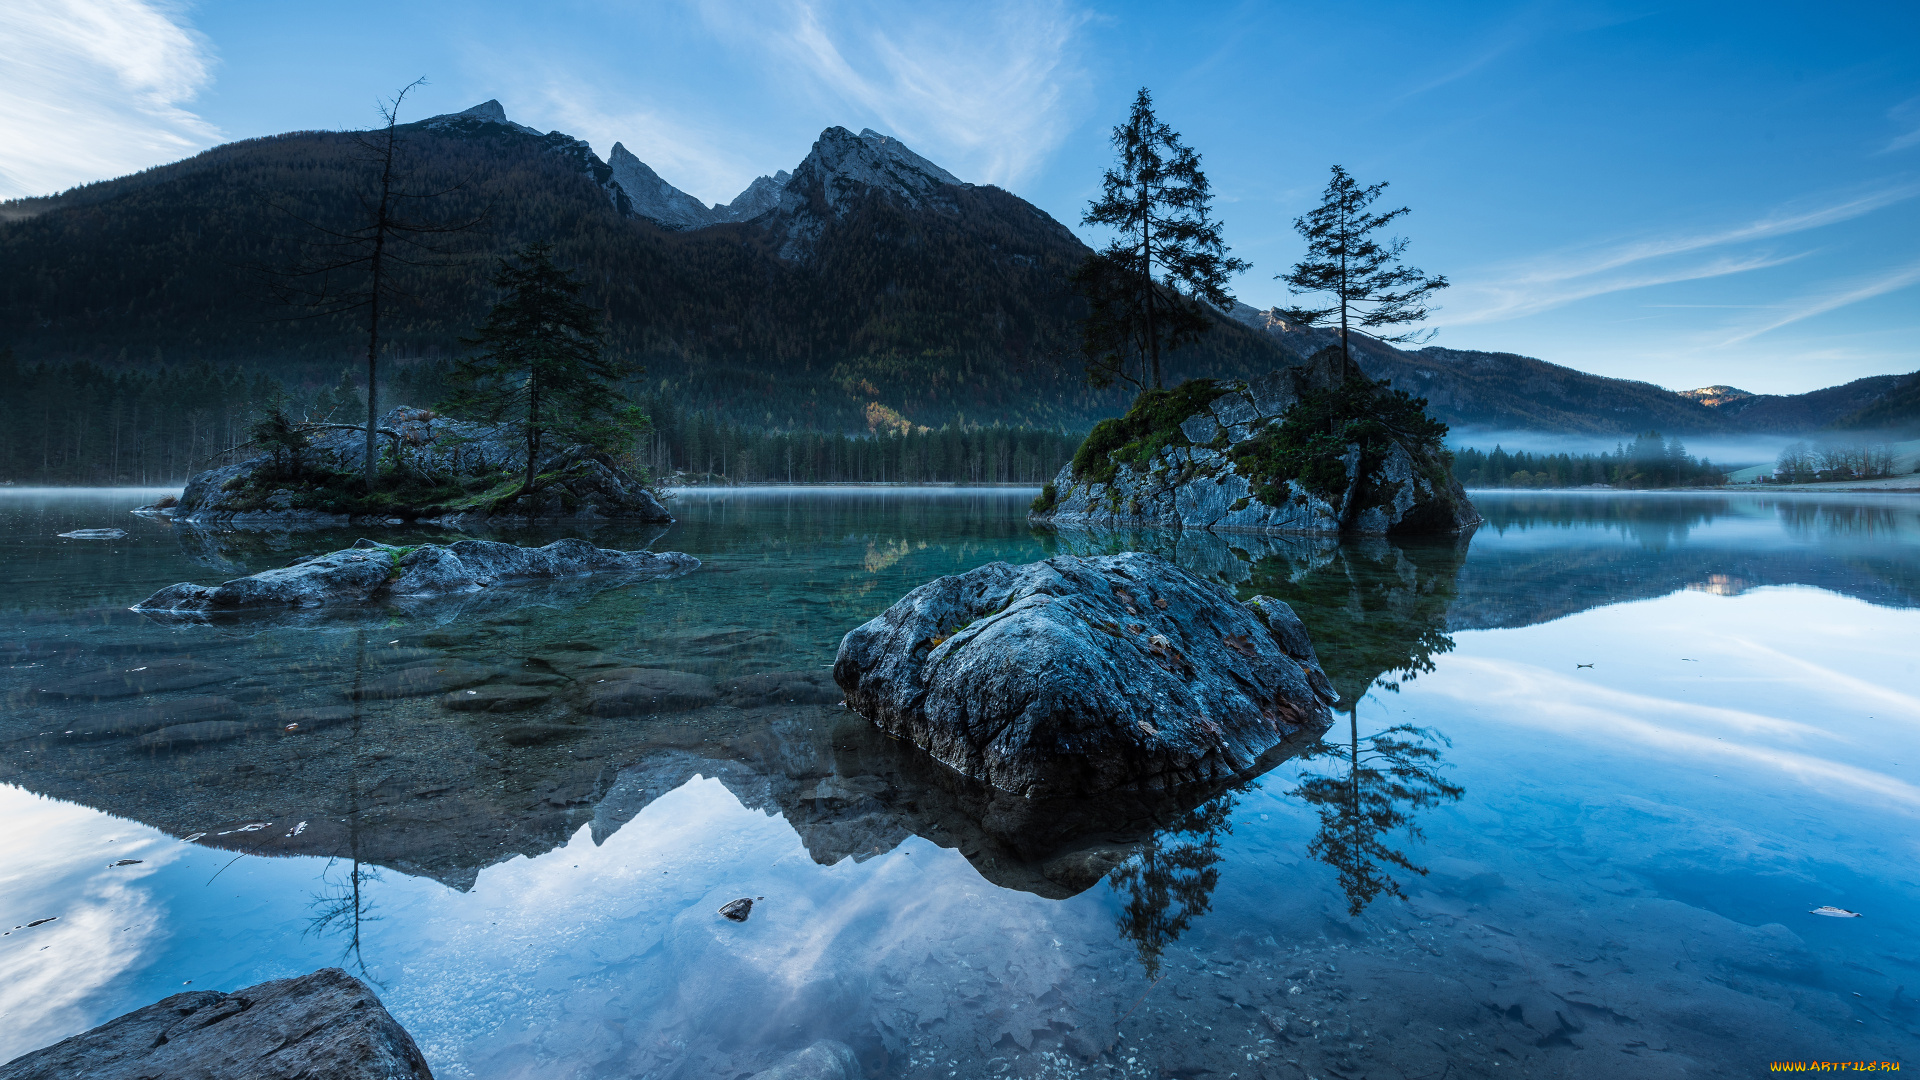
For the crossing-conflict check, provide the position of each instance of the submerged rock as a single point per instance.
(1221, 456)
(327, 1024)
(643, 691)
(827, 1059)
(1081, 675)
(369, 571)
(146, 677)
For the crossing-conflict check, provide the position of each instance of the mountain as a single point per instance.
(865, 275)
(1504, 391)
(1896, 410)
(1715, 396)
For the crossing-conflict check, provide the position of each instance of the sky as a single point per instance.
(1683, 193)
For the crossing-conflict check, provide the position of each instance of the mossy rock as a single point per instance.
(1150, 426)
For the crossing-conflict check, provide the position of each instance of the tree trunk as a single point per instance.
(533, 439)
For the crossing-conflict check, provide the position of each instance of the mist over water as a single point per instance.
(1730, 451)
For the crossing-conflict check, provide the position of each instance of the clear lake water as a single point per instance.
(1595, 767)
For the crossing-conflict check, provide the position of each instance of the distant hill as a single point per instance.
(1505, 391)
(866, 274)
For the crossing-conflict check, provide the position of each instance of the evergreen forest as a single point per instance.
(1649, 461)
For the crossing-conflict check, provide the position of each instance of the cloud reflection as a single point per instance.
(109, 921)
(1529, 696)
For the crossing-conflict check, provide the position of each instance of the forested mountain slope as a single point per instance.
(868, 279)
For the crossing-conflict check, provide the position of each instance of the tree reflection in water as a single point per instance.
(341, 907)
(1169, 879)
(1378, 616)
(1388, 776)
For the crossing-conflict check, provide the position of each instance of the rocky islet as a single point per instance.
(439, 470)
(1192, 458)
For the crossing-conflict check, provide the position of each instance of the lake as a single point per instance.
(1593, 770)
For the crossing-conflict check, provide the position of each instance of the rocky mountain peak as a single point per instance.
(759, 197)
(653, 197)
(1716, 395)
(841, 164)
(490, 109)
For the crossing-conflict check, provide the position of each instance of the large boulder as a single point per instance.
(369, 571)
(441, 470)
(1209, 455)
(324, 1025)
(1081, 675)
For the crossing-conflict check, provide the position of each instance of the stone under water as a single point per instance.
(371, 571)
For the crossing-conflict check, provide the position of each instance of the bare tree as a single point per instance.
(355, 268)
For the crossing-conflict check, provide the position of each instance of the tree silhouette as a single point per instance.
(540, 364)
(1388, 776)
(1159, 202)
(353, 268)
(1368, 284)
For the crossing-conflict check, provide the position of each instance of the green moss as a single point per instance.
(1151, 425)
(1311, 441)
(1048, 497)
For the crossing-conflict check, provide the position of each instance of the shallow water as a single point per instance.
(1655, 732)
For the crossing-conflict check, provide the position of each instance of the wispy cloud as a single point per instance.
(1830, 300)
(1495, 300)
(1907, 115)
(1548, 282)
(95, 89)
(987, 90)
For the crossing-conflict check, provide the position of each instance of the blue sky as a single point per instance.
(1682, 193)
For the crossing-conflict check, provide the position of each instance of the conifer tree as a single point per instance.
(539, 364)
(1363, 276)
(1145, 289)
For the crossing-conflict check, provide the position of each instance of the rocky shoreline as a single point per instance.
(325, 1024)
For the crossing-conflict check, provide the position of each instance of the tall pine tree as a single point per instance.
(538, 364)
(1363, 275)
(1146, 288)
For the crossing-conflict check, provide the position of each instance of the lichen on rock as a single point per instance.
(1075, 676)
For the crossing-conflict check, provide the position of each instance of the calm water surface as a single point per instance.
(1597, 766)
